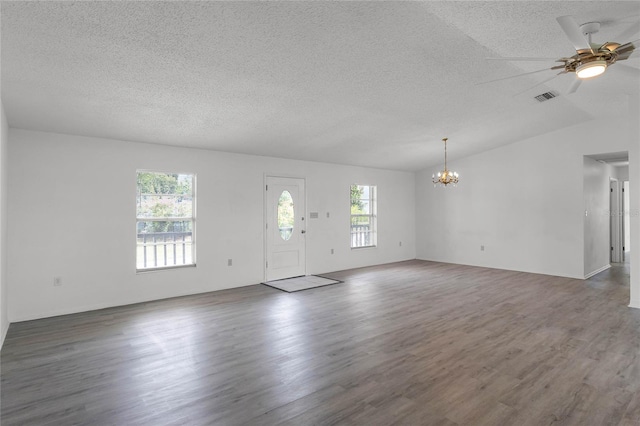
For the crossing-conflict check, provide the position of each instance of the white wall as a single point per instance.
(633, 126)
(4, 321)
(597, 219)
(627, 228)
(523, 202)
(621, 173)
(72, 215)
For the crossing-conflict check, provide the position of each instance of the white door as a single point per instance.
(614, 218)
(285, 228)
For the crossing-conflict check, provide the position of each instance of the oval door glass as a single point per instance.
(285, 215)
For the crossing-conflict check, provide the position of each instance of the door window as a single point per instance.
(286, 215)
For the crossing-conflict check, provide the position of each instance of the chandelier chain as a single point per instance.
(445, 153)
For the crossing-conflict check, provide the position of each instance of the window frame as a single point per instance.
(174, 219)
(372, 215)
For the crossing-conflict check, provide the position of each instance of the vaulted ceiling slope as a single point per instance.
(363, 83)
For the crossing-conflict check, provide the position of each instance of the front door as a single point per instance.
(285, 228)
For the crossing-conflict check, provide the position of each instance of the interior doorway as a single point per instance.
(603, 177)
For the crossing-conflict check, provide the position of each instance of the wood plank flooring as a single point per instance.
(410, 343)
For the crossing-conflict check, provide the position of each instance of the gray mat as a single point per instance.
(291, 285)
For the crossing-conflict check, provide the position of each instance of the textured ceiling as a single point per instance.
(364, 83)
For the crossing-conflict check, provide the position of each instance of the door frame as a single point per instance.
(266, 176)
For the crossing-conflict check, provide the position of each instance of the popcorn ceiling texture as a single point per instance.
(365, 83)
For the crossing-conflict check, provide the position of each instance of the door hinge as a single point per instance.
(622, 189)
(611, 189)
(623, 248)
(267, 225)
(266, 264)
(611, 248)
(266, 188)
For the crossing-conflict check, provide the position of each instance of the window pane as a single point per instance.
(286, 215)
(164, 243)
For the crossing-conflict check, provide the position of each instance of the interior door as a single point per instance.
(285, 228)
(614, 222)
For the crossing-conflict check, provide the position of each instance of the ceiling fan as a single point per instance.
(590, 60)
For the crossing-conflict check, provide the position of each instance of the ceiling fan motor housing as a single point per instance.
(603, 54)
(606, 55)
(576, 61)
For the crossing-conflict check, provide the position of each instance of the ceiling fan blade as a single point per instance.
(610, 46)
(514, 76)
(574, 86)
(632, 30)
(627, 49)
(573, 32)
(517, 59)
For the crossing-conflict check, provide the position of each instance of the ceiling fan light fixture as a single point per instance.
(591, 69)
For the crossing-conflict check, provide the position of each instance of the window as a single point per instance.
(363, 216)
(166, 216)
(286, 216)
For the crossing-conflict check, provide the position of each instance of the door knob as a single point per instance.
(303, 231)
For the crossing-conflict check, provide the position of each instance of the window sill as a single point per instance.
(164, 268)
(364, 247)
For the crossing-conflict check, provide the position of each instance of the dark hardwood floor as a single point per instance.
(414, 343)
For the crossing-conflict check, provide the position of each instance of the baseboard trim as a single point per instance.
(107, 305)
(597, 271)
(635, 304)
(502, 268)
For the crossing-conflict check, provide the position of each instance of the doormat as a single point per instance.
(291, 285)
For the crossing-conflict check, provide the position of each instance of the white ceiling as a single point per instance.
(375, 84)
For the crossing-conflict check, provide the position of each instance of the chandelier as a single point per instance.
(445, 177)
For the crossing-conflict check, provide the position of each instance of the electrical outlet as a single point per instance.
(229, 262)
(481, 248)
(57, 281)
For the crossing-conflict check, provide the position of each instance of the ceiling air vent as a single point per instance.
(546, 96)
